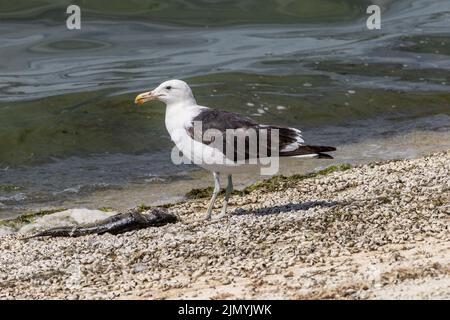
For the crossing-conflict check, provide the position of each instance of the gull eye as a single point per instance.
(168, 87)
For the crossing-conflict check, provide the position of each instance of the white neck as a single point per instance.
(179, 115)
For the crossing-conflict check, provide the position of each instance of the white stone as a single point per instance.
(5, 231)
(69, 217)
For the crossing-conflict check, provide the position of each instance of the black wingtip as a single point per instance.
(314, 151)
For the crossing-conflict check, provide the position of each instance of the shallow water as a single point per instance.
(70, 135)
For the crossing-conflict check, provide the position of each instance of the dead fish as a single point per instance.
(120, 223)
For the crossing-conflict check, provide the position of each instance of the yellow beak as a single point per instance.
(144, 97)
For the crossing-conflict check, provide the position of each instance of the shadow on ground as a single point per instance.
(286, 208)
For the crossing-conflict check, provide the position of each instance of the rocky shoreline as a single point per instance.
(374, 231)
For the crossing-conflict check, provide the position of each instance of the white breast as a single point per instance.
(178, 117)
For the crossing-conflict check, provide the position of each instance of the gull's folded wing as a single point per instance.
(240, 138)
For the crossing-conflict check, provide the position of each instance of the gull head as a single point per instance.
(169, 92)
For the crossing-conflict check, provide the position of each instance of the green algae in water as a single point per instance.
(274, 183)
(277, 183)
(431, 44)
(9, 188)
(391, 70)
(106, 209)
(322, 102)
(76, 124)
(27, 218)
(72, 44)
(84, 123)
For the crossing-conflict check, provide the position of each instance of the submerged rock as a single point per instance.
(5, 231)
(71, 217)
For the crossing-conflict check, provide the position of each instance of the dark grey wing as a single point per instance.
(223, 120)
(232, 134)
(245, 138)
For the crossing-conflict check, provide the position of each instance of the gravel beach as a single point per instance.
(375, 231)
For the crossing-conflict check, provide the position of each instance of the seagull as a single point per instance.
(202, 136)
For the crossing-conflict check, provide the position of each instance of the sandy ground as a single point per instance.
(411, 271)
(376, 231)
